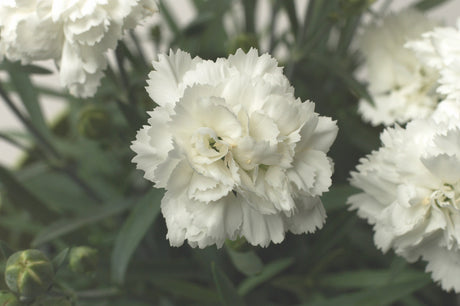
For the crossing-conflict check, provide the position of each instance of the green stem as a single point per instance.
(28, 124)
(124, 76)
(13, 141)
(139, 49)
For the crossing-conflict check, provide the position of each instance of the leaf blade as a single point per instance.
(132, 232)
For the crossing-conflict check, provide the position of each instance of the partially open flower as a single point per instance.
(402, 87)
(238, 155)
(411, 193)
(440, 49)
(75, 34)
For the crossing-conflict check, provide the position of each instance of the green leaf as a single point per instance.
(65, 226)
(5, 250)
(60, 258)
(289, 6)
(265, 275)
(186, 289)
(367, 278)
(247, 263)
(28, 94)
(132, 232)
(425, 5)
(227, 293)
(164, 11)
(337, 196)
(66, 195)
(23, 198)
(249, 15)
(382, 295)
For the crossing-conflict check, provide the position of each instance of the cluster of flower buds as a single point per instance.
(29, 276)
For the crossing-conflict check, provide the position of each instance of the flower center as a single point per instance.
(207, 147)
(447, 196)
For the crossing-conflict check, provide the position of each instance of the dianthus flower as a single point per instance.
(75, 34)
(238, 154)
(411, 192)
(402, 87)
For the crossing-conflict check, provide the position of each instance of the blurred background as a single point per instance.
(184, 13)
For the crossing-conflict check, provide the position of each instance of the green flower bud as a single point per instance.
(51, 301)
(8, 299)
(28, 273)
(83, 259)
(94, 122)
(243, 41)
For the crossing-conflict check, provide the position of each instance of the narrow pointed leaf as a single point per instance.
(132, 232)
(265, 275)
(65, 226)
(247, 263)
(60, 258)
(227, 292)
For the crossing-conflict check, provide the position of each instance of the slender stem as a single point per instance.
(274, 15)
(124, 76)
(139, 49)
(70, 172)
(29, 126)
(13, 141)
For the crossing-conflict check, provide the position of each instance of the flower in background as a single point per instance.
(75, 34)
(411, 192)
(401, 86)
(440, 49)
(238, 154)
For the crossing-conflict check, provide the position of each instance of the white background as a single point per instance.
(183, 12)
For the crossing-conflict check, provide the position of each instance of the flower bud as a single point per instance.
(8, 299)
(28, 273)
(83, 259)
(45, 300)
(94, 122)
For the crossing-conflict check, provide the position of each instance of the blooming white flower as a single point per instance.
(411, 192)
(237, 154)
(440, 49)
(401, 86)
(74, 33)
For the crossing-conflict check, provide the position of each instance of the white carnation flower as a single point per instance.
(411, 192)
(402, 87)
(440, 49)
(238, 155)
(74, 33)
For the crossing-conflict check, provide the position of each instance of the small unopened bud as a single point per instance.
(94, 122)
(8, 299)
(51, 301)
(28, 273)
(83, 259)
